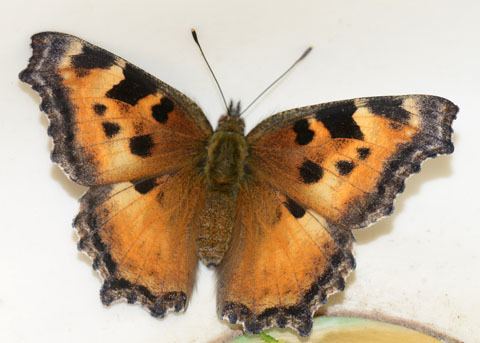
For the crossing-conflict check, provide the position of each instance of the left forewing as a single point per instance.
(348, 160)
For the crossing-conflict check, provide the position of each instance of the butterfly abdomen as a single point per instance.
(224, 171)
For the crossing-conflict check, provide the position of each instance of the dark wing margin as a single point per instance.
(434, 138)
(48, 50)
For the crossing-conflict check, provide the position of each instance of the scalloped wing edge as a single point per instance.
(48, 48)
(408, 160)
(299, 316)
(117, 289)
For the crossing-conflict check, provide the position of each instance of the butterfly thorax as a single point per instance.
(224, 171)
(227, 151)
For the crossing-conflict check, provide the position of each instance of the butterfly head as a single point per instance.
(234, 110)
(232, 121)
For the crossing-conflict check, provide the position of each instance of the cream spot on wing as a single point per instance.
(73, 49)
(411, 105)
(120, 63)
(360, 103)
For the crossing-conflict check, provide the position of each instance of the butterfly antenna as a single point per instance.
(305, 53)
(195, 38)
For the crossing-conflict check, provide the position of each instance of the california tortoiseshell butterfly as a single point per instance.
(272, 210)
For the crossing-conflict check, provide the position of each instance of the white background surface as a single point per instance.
(421, 264)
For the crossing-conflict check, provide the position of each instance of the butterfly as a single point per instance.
(272, 211)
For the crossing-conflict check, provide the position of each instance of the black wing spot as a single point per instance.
(310, 172)
(135, 86)
(344, 167)
(304, 134)
(294, 208)
(99, 109)
(91, 58)
(141, 145)
(389, 108)
(160, 111)
(145, 186)
(363, 153)
(339, 122)
(110, 129)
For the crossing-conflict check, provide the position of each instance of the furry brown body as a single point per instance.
(224, 170)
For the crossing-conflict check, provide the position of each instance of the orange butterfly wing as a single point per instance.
(111, 121)
(140, 239)
(137, 142)
(359, 153)
(284, 261)
(323, 170)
